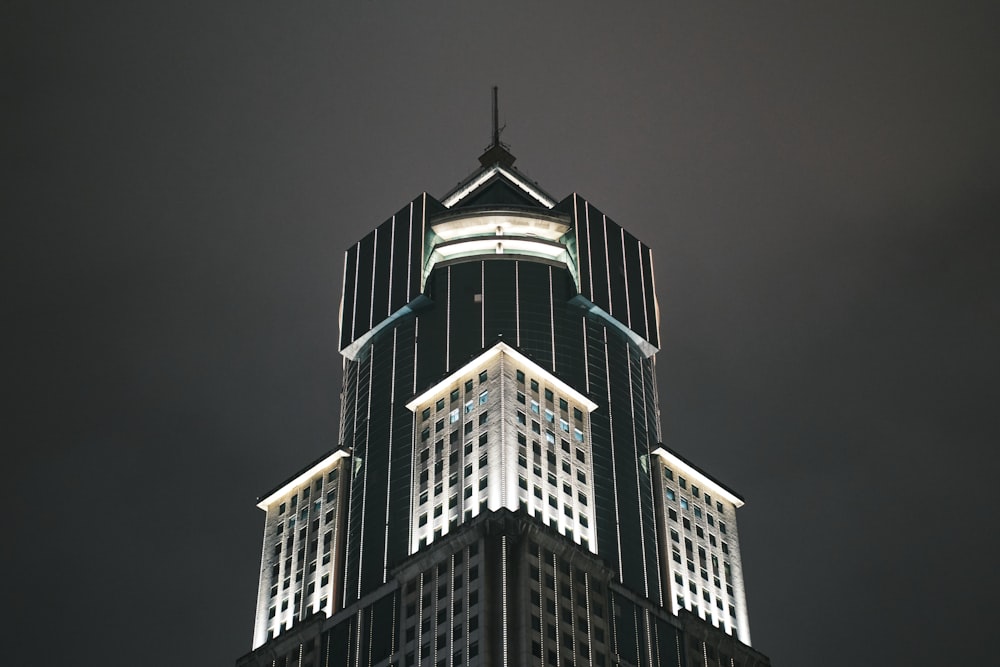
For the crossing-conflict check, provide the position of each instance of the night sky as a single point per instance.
(819, 182)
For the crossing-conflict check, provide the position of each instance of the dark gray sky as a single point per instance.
(820, 183)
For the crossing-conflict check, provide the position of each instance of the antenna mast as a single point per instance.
(496, 153)
(496, 118)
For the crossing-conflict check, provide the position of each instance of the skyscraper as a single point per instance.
(500, 494)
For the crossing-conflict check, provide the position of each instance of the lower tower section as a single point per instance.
(504, 590)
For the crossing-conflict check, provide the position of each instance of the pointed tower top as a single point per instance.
(496, 153)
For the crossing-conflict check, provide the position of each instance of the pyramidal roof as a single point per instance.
(497, 182)
(498, 185)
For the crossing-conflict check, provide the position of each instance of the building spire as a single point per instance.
(496, 152)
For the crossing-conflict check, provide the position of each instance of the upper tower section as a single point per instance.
(498, 213)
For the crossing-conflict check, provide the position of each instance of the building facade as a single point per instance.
(500, 494)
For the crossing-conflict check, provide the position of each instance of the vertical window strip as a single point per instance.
(607, 263)
(642, 284)
(371, 292)
(358, 625)
(590, 263)
(628, 306)
(590, 616)
(611, 436)
(392, 261)
(350, 495)
(420, 616)
(555, 596)
(364, 479)
(465, 600)
(638, 480)
(652, 493)
(649, 636)
(447, 325)
(388, 456)
(552, 320)
(576, 235)
(503, 584)
(392, 640)
(451, 610)
(409, 255)
(482, 304)
(517, 302)
(354, 299)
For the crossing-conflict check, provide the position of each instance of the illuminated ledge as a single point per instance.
(681, 465)
(352, 350)
(492, 233)
(644, 345)
(498, 350)
(326, 463)
(474, 184)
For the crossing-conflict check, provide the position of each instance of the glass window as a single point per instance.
(483, 395)
(453, 416)
(671, 495)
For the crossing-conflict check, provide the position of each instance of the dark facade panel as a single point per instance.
(614, 269)
(650, 296)
(635, 283)
(500, 301)
(361, 300)
(383, 270)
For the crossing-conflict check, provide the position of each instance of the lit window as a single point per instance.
(671, 495)
(453, 416)
(578, 435)
(550, 437)
(550, 416)
(684, 503)
(534, 407)
(483, 396)
(564, 425)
